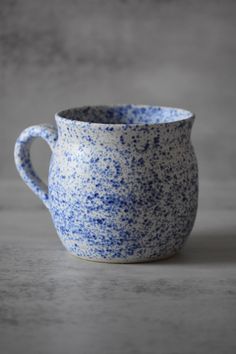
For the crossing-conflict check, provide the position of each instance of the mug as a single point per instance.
(123, 180)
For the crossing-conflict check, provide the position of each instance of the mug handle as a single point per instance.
(23, 161)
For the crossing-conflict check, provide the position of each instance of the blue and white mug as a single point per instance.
(123, 180)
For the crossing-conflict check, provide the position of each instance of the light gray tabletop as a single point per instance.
(52, 302)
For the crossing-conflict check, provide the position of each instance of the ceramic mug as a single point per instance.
(123, 180)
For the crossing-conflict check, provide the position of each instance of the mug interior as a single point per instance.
(126, 114)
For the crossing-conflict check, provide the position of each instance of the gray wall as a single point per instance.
(57, 53)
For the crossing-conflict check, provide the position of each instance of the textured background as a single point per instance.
(60, 53)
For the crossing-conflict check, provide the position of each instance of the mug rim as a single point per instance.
(59, 115)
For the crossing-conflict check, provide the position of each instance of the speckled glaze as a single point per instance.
(123, 180)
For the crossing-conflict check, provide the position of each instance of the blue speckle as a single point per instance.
(122, 139)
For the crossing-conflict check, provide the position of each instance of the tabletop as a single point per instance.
(52, 302)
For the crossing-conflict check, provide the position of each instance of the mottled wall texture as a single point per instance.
(58, 53)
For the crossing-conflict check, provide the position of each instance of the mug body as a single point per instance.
(123, 182)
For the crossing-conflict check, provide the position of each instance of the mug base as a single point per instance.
(125, 260)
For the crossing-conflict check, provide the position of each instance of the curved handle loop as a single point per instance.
(23, 161)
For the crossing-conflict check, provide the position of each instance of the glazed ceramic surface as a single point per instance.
(123, 180)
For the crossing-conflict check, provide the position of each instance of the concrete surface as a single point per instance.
(52, 302)
(68, 53)
(75, 52)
